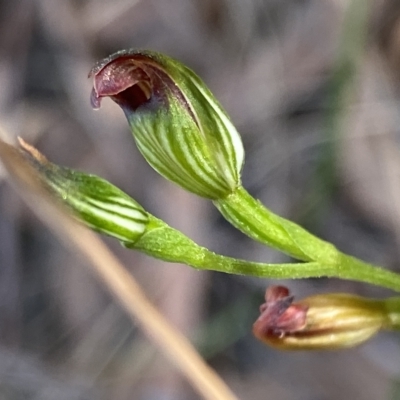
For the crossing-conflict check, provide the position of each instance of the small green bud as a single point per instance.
(179, 126)
(96, 202)
(321, 322)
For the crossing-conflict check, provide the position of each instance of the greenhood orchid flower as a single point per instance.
(179, 126)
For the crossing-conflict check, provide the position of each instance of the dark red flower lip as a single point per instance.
(123, 78)
(135, 78)
(124, 81)
(279, 315)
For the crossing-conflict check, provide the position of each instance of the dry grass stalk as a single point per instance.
(115, 277)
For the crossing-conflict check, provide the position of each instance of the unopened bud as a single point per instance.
(93, 200)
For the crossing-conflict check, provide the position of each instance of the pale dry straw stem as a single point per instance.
(116, 278)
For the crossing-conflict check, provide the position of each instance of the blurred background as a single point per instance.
(313, 87)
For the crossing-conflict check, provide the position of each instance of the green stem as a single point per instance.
(352, 268)
(252, 218)
(166, 243)
(392, 306)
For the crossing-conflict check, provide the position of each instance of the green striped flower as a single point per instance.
(179, 126)
(96, 202)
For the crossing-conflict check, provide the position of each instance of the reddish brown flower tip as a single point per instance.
(123, 79)
(279, 316)
(131, 78)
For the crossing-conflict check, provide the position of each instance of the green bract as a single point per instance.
(179, 126)
(96, 202)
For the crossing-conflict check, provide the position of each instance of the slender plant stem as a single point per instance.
(252, 218)
(158, 239)
(163, 242)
